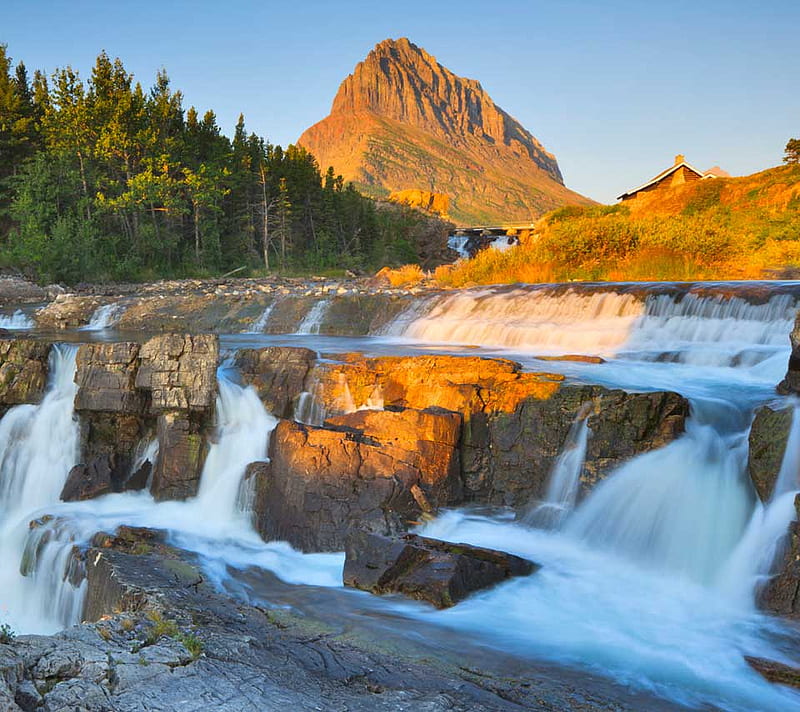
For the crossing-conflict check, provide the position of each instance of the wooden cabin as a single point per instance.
(679, 173)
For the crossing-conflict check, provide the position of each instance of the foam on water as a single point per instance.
(105, 317)
(19, 320)
(650, 579)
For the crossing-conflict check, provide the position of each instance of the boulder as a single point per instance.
(515, 422)
(278, 374)
(379, 470)
(128, 394)
(23, 371)
(179, 372)
(106, 377)
(102, 476)
(791, 381)
(181, 454)
(426, 569)
(769, 435)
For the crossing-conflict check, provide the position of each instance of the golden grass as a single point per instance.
(405, 276)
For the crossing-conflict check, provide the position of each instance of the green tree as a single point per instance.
(792, 151)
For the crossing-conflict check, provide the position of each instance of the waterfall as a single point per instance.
(260, 324)
(763, 542)
(524, 319)
(104, 317)
(711, 330)
(562, 488)
(16, 321)
(312, 322)
(682, 508)
(708, 328)
(458, 243)
(243, 430)
(788, 479)
(38, 447)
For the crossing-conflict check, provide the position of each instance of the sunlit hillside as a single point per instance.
(725, 228)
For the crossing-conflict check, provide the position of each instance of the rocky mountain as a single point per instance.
(401, 122)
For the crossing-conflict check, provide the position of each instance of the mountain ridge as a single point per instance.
(403, 121)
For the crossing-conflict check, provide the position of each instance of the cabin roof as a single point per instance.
(664, 174)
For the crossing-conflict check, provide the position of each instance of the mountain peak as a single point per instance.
(423, 111)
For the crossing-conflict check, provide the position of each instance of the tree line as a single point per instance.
(102, 180)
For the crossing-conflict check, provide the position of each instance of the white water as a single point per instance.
(458, 243)
(590, 608)
(105, 317)
(594, 323)
(260, 324)
(651, 578)
(680, 509)
(789, 474)
(243, 431)
(38, 447)
(312, 322)
(564, 481)
(16, 321)
(708, 330)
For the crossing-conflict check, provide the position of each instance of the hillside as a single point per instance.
(401, 121)
(722, 228)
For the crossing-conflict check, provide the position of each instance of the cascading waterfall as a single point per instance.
(243, 430)
(458, 243)
(682, 508)
(38, 447)
(762, 544)
(17, 321)
(650, 578)
(105, 317)
(312, 322)
(713, 329)
(562, 488)
(523, 319)
(260, 324)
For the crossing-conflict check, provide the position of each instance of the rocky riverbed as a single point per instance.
(177, 458)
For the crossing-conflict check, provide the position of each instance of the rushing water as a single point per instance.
(562, 488)
(312, 322)
(260, 324)
(650, 579)
(16, 321)
(105, 317)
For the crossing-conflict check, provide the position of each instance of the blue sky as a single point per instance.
(613, 88)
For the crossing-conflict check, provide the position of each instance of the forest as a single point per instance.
(102, 180)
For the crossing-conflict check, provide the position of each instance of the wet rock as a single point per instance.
(68, 311)
(426, 569)
(171, 640)
(379, 470)
(781, 594)
(23, 371)
(278, 373)
(121, 576)
(769, 435)
(791, 381)
(102, 475)
(181, 454)
(127, 394)
(88, 481)
(774, 671)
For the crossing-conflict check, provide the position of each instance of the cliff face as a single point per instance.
(402, 121)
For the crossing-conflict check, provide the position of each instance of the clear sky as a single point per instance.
(614, 88)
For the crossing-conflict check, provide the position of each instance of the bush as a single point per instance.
(7, 635)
